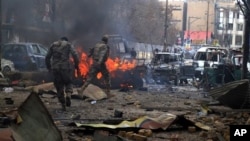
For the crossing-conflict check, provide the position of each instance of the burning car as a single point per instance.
(125, 72)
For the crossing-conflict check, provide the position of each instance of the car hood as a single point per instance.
(5, 61)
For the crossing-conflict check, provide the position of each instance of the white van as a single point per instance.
(209, 56)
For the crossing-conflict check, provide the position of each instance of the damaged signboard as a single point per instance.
(36, 124)
(234, 94)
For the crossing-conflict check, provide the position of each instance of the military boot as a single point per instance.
(68, 100)
(62, 101)
(63, 107)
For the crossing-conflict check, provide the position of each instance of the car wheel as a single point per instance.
(6, 70)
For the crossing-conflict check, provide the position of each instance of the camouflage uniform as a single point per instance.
(99, 54)
(58, 61)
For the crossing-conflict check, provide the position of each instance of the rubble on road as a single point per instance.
(195, 117)
(94, 93)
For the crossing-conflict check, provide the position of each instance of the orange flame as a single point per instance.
(112, 64)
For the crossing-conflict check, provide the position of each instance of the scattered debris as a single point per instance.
(94, 93)
(231, 92)
(30, 122)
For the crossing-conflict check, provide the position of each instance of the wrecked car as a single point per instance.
(165, 67)
(25, 56)
(127, 76)
(223, 73)
(208, 57)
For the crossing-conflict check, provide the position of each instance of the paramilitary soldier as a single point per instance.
(58, 62)
(99, 54)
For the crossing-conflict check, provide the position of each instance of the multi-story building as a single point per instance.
(27, 20)
(209, 21)
(230, 24)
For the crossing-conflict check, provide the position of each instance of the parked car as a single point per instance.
(25, 56)
(7, 66)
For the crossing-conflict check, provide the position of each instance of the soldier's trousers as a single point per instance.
(94, 70)
(63, 83)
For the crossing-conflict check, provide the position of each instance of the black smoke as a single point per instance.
(82, 21)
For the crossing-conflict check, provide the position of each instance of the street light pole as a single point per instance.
(189, 24)
(166, 26)
(207, 21)
(0, 34)
(189, 27)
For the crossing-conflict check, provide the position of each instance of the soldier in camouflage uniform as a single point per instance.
(99, 54)
(58, 62)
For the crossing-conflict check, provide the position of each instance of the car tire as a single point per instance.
(6, 70)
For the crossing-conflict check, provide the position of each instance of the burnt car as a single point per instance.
(165, 67)
(25, 56)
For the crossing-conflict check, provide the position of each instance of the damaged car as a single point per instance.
(208, 57)
(165, 67)
(25, 56)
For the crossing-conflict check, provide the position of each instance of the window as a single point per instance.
(228, 39)
(35, 49)
(7, 51)
(237, 15)
(230, 26)
(220, 26)
(238, 40)
(221, 19)
(201, 56)
(239, 27)
(43, 50)
(231, 16)
(20, 49)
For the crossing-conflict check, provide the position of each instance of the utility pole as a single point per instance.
(166, 27)
(0, 35)
(244, 6)
(189, 23)
(207, 21)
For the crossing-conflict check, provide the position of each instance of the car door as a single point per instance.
(17, 54)
(39, 53)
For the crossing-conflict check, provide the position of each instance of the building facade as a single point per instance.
(209, 22)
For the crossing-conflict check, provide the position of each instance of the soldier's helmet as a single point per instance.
(105, 38)
(64, 38)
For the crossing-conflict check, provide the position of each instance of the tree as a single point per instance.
(143, 21)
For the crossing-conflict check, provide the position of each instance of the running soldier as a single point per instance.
(58, 62)
(99, 54)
